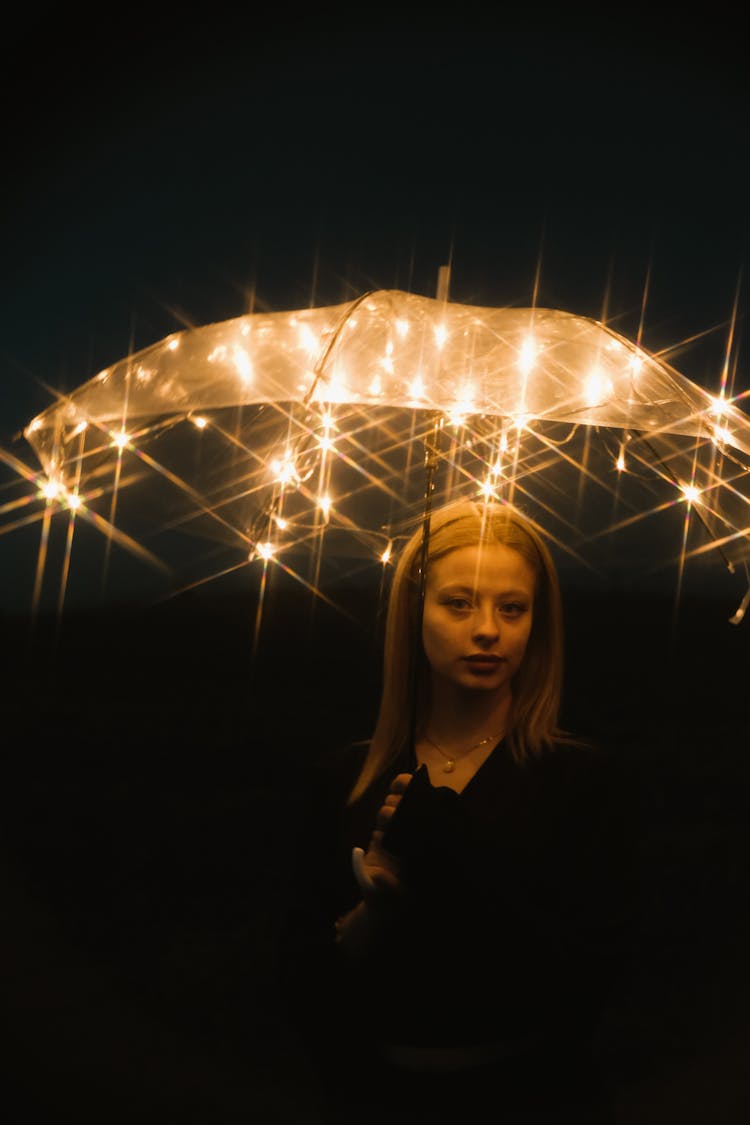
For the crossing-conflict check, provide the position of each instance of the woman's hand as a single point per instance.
(376, 870)
(377, 873)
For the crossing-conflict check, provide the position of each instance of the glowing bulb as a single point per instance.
(307, 339)
(50, 489)
(416, 387)
(73, 500)
(464, 405)
(722, 435)
(620, 462)
(282, 523)
(199, 421)
(173, 345)
(242, 363)
(265, 550)
(337, 391)
(527, 355)
(325, 443)
(386, 554)
(690, 492)
(324, 503)
(487, 488)
(120, 440)
(597, 388)
(285, 470)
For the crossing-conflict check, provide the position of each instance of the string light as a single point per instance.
(597, 388)
(284, 469)
(691, 493)
(50, 489)
(527, 355)
(416, 388)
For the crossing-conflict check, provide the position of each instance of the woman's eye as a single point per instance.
(458, 603)
(512, 609)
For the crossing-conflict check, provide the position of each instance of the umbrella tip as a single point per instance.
(443, 283)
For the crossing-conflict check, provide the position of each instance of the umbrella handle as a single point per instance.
(432, 453)
(739, 613)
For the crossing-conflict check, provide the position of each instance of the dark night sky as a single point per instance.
(161, 173)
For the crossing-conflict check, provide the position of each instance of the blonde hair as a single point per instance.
(537, 685)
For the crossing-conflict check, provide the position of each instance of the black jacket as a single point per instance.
(518, 912)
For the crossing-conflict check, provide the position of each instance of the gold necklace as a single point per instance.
(450, 759)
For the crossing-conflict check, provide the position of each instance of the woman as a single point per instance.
(465, 920)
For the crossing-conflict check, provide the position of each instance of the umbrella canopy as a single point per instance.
(272, 433)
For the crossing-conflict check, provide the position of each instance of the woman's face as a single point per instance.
(478, 611)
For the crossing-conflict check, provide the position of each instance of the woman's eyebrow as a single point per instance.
(461, 588)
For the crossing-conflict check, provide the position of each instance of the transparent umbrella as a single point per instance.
(313, 440)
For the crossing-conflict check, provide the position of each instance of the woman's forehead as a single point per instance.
(491, 564)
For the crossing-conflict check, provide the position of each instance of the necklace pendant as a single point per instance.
(449, 766)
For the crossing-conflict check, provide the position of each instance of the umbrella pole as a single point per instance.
(432, 452)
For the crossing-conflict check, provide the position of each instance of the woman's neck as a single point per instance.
(457, 718)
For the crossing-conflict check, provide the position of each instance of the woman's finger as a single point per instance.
(385, 812)
(365, 882)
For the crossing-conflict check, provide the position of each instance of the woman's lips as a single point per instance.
(479, 662)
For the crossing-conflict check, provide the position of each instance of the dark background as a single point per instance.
(170, 169)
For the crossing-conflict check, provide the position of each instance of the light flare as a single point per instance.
(691, 493)
(527, 355)
(121, 439)
(597, 388)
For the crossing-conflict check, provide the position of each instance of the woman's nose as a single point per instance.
(485, 623)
